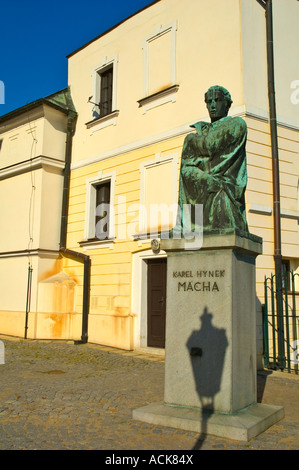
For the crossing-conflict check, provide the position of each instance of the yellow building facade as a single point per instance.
(136, 89)
(163, 59)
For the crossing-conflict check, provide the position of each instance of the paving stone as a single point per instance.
(57, 395)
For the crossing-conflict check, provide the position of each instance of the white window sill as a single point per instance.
(157, 99)
(95, 244)
(104, 121)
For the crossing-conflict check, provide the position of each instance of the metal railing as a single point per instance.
(281, 323)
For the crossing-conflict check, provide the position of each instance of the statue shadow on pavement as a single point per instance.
(207, 347)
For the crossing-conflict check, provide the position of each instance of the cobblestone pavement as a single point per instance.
(58, 395)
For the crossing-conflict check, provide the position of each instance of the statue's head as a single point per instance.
(218, 101)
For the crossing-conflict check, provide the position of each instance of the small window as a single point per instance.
(1, 140)
(106, 88)
(99, 211)
(102, 210)
(103, 92)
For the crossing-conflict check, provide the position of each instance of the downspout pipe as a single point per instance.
(63, 231)
(28, 300)
(274, 139)
(66, 180)
(275, 179)
(86, 286)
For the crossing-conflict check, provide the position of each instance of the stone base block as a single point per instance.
(240, 426)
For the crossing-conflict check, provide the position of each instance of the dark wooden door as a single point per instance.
(156, 303)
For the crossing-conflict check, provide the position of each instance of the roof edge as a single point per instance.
(112, 28)
(51, 100)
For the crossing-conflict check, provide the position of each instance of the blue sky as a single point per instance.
(36, 37)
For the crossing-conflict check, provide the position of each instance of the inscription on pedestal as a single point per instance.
(203, 280)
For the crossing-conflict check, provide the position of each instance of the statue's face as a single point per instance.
(216, 104)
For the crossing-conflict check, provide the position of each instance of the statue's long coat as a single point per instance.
(213, 173)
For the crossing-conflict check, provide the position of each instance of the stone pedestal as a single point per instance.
(210, 353)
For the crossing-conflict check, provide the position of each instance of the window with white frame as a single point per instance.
(104, 91)
(103, 96)
(102, 215)
(99, 217)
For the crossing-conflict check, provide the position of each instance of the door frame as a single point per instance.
(139, 295)
(150, 306)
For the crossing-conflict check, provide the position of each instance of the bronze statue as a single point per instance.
(213, 169)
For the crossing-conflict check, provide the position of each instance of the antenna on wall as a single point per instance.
(89, 101)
